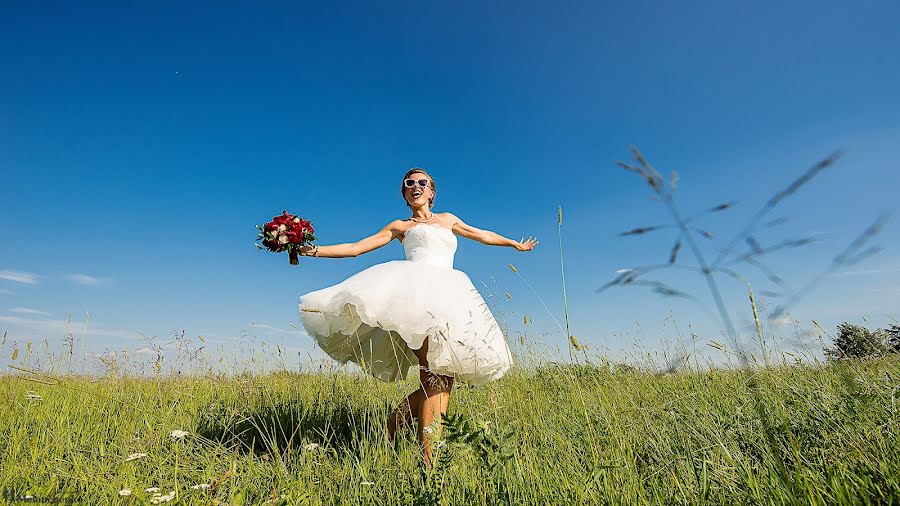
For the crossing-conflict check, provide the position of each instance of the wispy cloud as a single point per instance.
(29, 311)
(267, 329)
(782, 321)
(53, 328)
(4, 291)
(264, 329)
(85, 279)
(866, 272)
(29, 278)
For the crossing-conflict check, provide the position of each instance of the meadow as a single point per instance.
(822, 433)
(195, 428)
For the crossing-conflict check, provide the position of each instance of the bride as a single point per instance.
(419, 311)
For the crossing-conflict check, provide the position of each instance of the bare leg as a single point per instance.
(406, 413)
(436, 397)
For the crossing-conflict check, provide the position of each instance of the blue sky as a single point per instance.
(142, 141)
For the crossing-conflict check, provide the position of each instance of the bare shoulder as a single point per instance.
(449, 219)
(398, 227)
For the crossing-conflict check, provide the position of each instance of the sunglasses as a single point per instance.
(409, 183)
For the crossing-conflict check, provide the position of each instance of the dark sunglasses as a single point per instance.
(409, 183)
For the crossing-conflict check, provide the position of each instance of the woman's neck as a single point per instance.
(422, 214)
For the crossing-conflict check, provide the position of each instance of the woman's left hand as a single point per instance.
(527, 245)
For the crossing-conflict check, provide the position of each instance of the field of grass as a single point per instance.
(822, 434)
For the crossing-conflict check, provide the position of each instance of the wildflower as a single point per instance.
(125, 492)
(200, 486)
(151, 489)
(311, 447)
(135, 456)
(178, 434)
(367, 483)
(156, 499)
(31, 396)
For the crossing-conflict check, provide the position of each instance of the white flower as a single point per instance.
(366, 483)
(135, 456)
(296, 220)
(178, 434)
(282, 228)
(201, 486)
(125, 492)
(311, 447)
(151, 489)
(282, 239)
(31, 396)
(156, 499)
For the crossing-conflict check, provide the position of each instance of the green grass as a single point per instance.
(824, 434)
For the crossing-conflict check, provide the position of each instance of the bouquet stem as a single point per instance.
(293, 257)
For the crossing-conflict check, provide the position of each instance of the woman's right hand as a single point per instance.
(528, 245)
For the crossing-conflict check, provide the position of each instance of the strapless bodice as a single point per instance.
(430, 243)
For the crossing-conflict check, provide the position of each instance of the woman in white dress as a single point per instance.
(418, 311)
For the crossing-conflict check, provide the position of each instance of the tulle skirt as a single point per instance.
(376, 317)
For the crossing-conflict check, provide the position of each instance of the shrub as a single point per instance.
(855, 341)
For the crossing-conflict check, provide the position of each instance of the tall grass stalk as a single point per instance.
(562, 271)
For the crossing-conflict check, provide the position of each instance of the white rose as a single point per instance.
(282, 228)
(282, 239)
(296, 220)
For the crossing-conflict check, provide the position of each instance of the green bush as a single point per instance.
(855, 341)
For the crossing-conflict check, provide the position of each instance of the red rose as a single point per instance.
(284, 218)
(270, 226)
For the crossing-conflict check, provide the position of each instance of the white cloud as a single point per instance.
(57, 328)
(29, 311)
(29, 278)
(4, 291)
(268, 329)
(782, 321)
(866, 272)
(84, 279)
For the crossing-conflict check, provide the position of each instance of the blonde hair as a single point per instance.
(418, 170)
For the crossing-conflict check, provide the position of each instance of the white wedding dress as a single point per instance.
(376, 317)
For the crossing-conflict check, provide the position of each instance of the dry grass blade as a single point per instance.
(673, 254)
(792, 188)
(642, 230)
(705, 234)
(806, 177)
(754, 245)
(723, 206)
(777, 221)
(850, 254)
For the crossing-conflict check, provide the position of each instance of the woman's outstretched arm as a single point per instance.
(353, 249)
(487, 237)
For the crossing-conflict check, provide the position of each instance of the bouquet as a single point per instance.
(286, 233)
